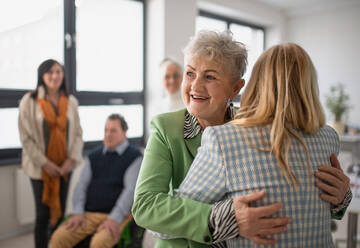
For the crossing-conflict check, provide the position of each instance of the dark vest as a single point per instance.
(108, 172)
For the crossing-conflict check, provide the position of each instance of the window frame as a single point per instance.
(230, 20)
(10, 98)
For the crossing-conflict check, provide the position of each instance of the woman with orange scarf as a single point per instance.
(52, 143)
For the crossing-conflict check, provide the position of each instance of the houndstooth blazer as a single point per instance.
(227, 165)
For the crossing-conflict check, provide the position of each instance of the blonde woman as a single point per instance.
(275, 143)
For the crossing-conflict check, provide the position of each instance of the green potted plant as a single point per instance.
(337, 103)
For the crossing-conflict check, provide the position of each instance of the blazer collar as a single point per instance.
(193, 144)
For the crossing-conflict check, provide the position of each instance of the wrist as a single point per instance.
(222, 221)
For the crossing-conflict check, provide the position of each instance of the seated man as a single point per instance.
(104, 194)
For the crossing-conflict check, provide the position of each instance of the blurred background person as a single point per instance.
(104, 193)
(51, 138)
(171, 76)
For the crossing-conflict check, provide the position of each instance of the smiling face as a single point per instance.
(53, 78)
(172, 78)
(206, 89)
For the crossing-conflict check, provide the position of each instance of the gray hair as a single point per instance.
(219, 46)
(169, 61)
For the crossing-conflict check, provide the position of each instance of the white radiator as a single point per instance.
(25, 205)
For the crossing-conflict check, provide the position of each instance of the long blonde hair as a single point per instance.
(282, 90)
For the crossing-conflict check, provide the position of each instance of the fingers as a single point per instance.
(101, 227)
(71, 225)
(62, 171)
(328, 189)
(74, 227)
(68, 225)
(269, 223)
(51, 173)
(328, 198)
(334, 188)
(51, 169)
(328, 177)
(111, 231)
(265, 211)
(333, 171)
(335, 162)
(251, 197)
(263, 241)
(83, 225)
(57, 168)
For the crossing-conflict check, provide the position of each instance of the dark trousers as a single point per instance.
(43, 230)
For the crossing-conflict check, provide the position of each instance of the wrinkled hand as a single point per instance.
(333, 182)
(67, 166)
(51, 169)
(75, 221)
(254, 222)
(112, 227)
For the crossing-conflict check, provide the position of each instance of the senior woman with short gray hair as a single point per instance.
(214, 66)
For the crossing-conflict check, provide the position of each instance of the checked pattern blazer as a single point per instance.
(227, 165)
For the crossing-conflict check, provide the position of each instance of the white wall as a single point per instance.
(9, 218)
(170, 24)
(9, 224)
(332, 38)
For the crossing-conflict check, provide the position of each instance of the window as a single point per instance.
(109, 59)
(28, 36)
(93, 119)
(253, 39)
(101, 45)
(9, 128)
(207, 23)
(251, 35)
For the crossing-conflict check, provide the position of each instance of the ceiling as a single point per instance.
(293, 6)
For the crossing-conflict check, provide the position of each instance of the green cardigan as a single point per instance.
(167, 159)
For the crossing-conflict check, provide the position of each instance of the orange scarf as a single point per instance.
(56, 152)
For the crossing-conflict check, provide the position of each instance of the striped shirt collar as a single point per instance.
(192, 126)
(120, 149)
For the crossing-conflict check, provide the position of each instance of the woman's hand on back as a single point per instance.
(333, 182)
(254, 222)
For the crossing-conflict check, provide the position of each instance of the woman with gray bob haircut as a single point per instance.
(219, 47)
(214, 66)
